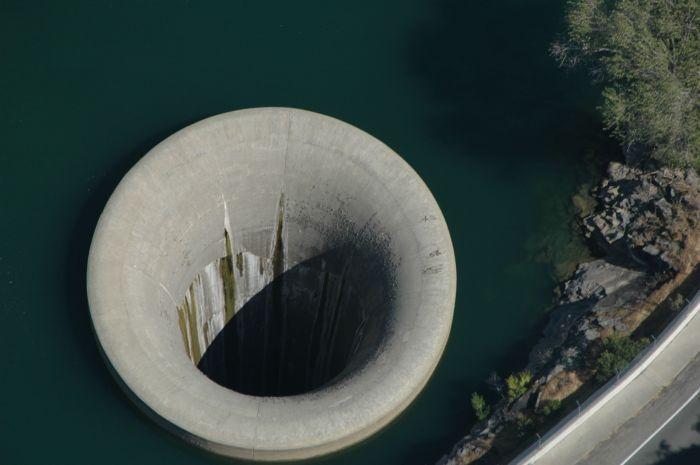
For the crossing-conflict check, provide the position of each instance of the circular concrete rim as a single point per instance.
(187, 403)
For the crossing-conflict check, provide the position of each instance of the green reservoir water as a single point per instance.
(463, 90)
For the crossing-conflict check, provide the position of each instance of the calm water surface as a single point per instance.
(463, 90)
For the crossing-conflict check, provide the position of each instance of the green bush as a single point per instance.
(618, 352)
(677, 302)
(551, 406)
(523, 422)
(517, 384)
(646, 54)
(480, 407)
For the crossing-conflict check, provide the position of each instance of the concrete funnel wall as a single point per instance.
(272, 284)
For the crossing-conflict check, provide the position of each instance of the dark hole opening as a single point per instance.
(313, 323)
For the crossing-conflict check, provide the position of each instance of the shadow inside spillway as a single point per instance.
(317, 320)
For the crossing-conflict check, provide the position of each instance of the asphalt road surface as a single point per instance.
(677, 442)
(665, 431)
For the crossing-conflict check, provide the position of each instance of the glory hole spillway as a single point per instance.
(272, 284)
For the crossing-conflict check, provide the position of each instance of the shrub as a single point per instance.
(480, 407)
(677, 302)
(517, 384)
(523, 422)
(618, 352)
(551, 406)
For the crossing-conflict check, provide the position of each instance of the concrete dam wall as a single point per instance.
(272, 284)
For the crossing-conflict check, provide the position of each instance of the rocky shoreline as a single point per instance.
(644, 225)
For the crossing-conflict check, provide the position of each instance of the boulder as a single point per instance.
(646, 219)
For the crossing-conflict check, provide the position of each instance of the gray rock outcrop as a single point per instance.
(645, 219)
(645, 224)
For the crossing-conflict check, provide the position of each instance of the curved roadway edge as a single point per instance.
(623, 446)
(655, 374)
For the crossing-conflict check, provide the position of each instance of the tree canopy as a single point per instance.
(618, 352)
(646, 54)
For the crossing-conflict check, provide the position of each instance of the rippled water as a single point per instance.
(464, 90)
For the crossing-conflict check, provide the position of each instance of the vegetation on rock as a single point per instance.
(523, 423)
(480, 407)
(618, 352)
(677, 301)
(646, 54)
(551, 406)
(517, 384)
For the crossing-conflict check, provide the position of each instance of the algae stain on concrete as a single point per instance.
(278, 248)
(227, 278)
(221, 289)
